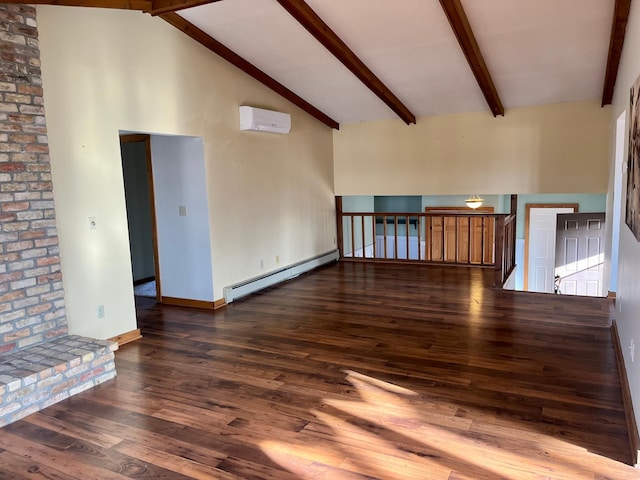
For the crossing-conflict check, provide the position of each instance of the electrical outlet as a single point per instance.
(182, 211)
(632, 349)
(619, 302)
(100, 312)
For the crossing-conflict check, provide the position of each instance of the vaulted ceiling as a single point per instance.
(348, 61)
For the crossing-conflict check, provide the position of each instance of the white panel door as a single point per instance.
(542, 247)
(580, 253)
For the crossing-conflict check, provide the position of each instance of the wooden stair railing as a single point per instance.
(505, 248)
(484, 240)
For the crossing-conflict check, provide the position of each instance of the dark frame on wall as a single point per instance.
(632, 216)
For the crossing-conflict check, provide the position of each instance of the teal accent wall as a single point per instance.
(358, 203)
(398, 204)
(588, 203)
(416, 203)
(506, 204)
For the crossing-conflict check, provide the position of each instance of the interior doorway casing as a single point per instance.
(527, 224)
(619, 183)
(146, 139)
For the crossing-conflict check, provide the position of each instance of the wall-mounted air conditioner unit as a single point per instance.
(261, 120)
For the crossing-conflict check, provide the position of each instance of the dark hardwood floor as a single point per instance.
(351, 372)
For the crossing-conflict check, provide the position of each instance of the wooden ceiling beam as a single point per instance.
(166, 10)
(616, 42)
(330, 40)
(467, 40)
(142, 5)
(247, 67)
(154, 7)
(165, 6)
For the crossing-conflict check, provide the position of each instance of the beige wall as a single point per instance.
(108, 70)
(559, 148)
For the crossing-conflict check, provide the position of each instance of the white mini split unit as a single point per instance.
(260, 120)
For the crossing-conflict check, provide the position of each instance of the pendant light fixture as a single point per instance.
(474, 201)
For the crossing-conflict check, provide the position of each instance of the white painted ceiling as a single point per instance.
(537, 51)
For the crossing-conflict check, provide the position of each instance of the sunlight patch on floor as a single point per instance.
(390, 430)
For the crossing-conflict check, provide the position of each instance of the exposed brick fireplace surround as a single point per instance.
(40, 362)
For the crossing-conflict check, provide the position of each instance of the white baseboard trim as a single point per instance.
(255, 284)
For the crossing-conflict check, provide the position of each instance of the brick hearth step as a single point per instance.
(35, 377)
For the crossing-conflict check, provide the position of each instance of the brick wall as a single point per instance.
(40, 364)
(31, 294)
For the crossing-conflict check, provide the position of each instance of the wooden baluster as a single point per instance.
(395, 236)
(445, 239)
(512, 231)
(490, 243)
(419, 227)
(499, 272)
(375, 236)
(384, 221)
(432, 238)
(442, 245)
(455, 236)
(353, 238)
(513, 241)
(469, 239)
(508, 253)
(433, 242)
(428, 237)
(482, 238)
(339, 227)
(506, 256)
(364, 243)
(460, 240)
(407, 227)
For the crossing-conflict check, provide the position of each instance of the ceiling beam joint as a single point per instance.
(166, 6)
(154, 7)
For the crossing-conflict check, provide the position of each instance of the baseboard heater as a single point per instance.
(253, 285)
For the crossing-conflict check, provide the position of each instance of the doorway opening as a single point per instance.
(540, 244)
(137, 169)
(579, 254)
(168, 215)
(564, 250)
(618, 184)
